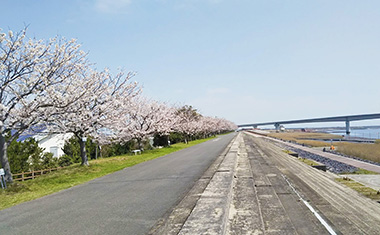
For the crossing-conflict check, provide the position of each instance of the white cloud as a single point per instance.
(112, 6)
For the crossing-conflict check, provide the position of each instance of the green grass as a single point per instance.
(76, 174)
(287, 151)
(360, 171)
(366, 191)
(306, 138)
(304, 160)
(309, 162)
(364, 151)
(294, 136)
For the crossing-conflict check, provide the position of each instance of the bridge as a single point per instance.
(346, 119)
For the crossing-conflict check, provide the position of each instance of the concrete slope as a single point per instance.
(126, 202)
(210, 214)
(258, 189)
(245, 196)
(345, 210)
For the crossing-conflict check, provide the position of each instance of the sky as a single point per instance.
(247, 61)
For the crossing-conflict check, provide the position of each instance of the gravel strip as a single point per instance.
(331, 165)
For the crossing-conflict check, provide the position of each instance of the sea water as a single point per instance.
(369, 132)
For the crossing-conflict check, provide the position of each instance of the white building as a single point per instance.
(53, 143)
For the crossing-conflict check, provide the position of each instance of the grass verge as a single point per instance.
(76, 174)
(365, 151)
(360, 171)
(366, 191)
(294, 136)
(308, 161)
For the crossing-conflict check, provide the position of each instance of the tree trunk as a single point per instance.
(4, 159)
(139, 143)
(96, 152)
(83, 154)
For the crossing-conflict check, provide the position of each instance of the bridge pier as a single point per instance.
(348, 130)
(277, 126)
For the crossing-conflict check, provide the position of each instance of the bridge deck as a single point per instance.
(315, 120)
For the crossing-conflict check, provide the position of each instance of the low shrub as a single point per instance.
(65, 160)
(48, 161)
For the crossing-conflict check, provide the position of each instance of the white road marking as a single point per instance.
(323, 222)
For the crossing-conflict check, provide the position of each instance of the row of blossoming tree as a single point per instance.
(51, 85)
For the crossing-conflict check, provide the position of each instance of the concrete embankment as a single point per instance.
(344, 209)
(256, 188)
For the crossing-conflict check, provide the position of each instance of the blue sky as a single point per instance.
(244, 60)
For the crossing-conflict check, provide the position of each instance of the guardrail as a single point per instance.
(32, 174)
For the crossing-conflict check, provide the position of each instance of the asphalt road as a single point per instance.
(126, 202)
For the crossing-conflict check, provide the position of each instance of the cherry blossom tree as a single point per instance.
(96, 108)
(225, 125)
(191, 123)
(164, 119)
(218, 125)
(208, 125)
(28, 69)
(187, 121)
(50, 83)
(144, 117)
